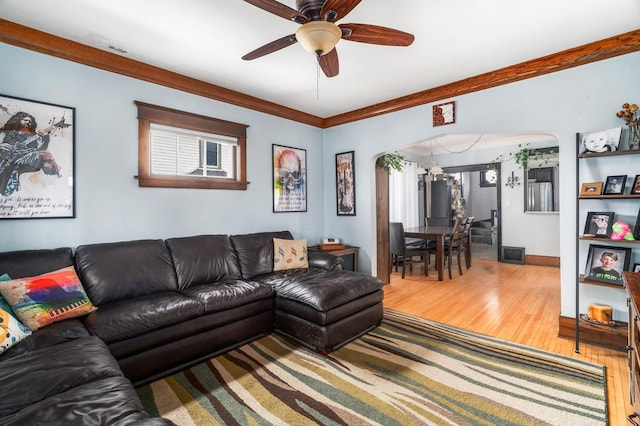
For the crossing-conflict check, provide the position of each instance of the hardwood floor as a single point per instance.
(520, 303)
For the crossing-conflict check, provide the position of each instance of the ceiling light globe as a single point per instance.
(318, 37)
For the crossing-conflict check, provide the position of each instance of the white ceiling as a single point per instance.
(205, 39)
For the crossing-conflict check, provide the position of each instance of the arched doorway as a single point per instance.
(382, 214)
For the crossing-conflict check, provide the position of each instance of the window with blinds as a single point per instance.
(178, 149)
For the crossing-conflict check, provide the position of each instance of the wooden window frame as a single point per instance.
(148, 114)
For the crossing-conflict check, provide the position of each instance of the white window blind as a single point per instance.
(182, 152)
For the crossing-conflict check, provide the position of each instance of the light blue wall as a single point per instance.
(109, 204)
(561, 104)
(111, 207)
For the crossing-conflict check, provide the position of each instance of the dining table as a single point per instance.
(432, 232)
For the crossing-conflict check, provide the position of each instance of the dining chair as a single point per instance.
(455, 245)
(402, 252)
(467, 240)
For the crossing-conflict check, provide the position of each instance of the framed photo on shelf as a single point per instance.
(599, 224)
(635, 189)
(636, 229)
(615, 185)
(345, 184)
(289, 179)
(591, 188)
(37, 159)
(636, 267)
(606, 264)
(599, 142)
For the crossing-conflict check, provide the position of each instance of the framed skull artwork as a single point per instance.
(289, 179)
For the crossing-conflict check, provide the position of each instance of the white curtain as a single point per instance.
(403, 195)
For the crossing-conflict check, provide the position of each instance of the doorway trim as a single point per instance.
(383, 265)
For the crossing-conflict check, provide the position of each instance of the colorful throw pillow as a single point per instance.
(47, 298)
(3, 303)
(289, 254)
(11, 330)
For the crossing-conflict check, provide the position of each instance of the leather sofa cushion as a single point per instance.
(321, 289)
(110, 401)
(228, 294)
(146, 347)
(203, 259)
(324, 318)
(37, 375)
(324, 260)
(29, 263)
(59, 332)
(124, 270)
(255, 251)
(134, 317)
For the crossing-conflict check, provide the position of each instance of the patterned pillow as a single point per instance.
(47, 298)
(289, 254)
(11, 330)
(3, 303)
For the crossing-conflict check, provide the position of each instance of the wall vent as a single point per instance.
(513, 255)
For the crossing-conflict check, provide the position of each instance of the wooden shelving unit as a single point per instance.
(595, 163)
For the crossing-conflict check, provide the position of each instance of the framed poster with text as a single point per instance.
(37, 164)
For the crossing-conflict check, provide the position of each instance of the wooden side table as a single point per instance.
(349, 255)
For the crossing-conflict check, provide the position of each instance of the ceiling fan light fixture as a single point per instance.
(318, 37)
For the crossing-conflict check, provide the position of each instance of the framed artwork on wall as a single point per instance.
(37, 159)
(606, 264)
(488, 178)
(444, 113)
(345, 184)
(289, 179)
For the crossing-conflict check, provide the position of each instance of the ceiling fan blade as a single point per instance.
(274, 46)
(280, 10)
(332, 10)
(374, 34)
(329, 63)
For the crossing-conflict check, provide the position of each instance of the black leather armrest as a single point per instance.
(324, 260)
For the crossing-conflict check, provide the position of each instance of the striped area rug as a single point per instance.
(408, 371)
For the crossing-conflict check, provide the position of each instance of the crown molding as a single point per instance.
(575, 57)
(28, 38)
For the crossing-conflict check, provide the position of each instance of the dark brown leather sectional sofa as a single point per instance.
(164, 305)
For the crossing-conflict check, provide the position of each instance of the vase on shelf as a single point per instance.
(634, 137)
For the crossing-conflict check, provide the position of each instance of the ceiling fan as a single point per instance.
(319, 34)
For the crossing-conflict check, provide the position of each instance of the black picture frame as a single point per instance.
(37, 170)
(599, 141)
(635, 188)
(346, 184)
(488, 178)
(636, 228)
(614, 185)
(594, 270)
(289, 179)
(599, 224)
